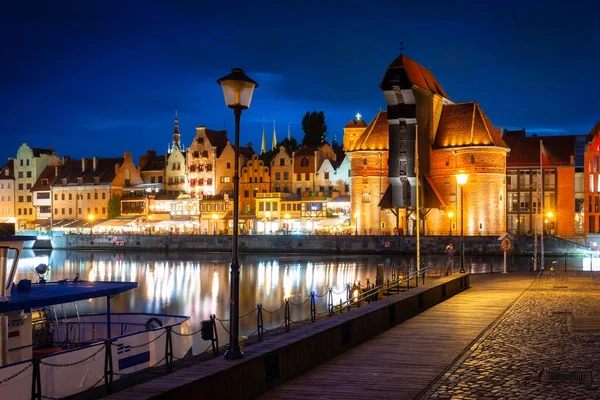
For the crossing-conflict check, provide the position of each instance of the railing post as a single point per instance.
(313, 307)
(169, 350)
(259, 322)
(36, 380)
(341, 306)
(215, 341)
(330, 301)
(287, 318)
(108, 367)
(348, 291)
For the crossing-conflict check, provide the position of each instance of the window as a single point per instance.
(103, 196)
(364, 161)
(28, 186)
(196, 154)
(29, 174)
(274, 206)
(366, 198)
(21, 199)
(228, 165)
(62, 196)
(205, 154)
(70, 211)
(447, 161)
(89, 196)
(246, 193)
(511, 180)
(304, 162)
(277, 176)
(20, 174)
(447, 180)
(299, 177)
(96, 193)
(56, 211)
(29, 199)
(307, 177)
(286, 176)
(103, 210)
(267, 206)
(524, 180)
(62, 211)
(209, 181)
(524, 202)
(281, 162)
(192, 168)
(20, 186)
(209, 167)
(70, 196)
(261, 206)
(326, 175)
(95, 210)
(225, 179)
(472, 158)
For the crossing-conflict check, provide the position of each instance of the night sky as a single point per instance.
(97, 78)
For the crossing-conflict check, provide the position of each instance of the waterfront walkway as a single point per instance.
(508, 336)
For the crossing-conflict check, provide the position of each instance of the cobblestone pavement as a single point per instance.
(545, 346)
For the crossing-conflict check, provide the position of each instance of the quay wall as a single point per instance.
(277, 360)
(474, 245)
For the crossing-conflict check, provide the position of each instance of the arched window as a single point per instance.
(472, 158)
(364, 161)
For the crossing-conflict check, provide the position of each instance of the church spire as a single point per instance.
(263, 147)
(274, 144)
(176, 135)
(289, 134)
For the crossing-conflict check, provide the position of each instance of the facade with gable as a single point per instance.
(591, 181)
(255, 178)
(42, 197)
(28, 165)
(282, 168)
(201, 161)
(7, 192)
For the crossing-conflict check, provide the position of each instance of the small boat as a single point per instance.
(49, 352)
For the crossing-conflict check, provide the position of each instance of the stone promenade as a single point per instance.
(514, 336)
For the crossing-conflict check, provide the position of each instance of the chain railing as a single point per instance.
(400, 278)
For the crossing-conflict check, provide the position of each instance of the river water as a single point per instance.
(197, 284)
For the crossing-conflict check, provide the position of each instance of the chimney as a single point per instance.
(500, 131)
(83, 165)
(95, 163)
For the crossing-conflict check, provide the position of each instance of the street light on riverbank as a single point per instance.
(461, 179)
(237, 89)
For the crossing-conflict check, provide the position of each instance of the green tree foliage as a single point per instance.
(338, 150)
(114, 206)
(314, 127)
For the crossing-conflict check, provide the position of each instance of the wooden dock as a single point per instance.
(403, 361)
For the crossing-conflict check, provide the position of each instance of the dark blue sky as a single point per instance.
(96, 78)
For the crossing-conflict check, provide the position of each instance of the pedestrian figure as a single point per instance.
(450, 258)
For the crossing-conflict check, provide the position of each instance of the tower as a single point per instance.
(274, 144)
(176, 134)
(263, 147)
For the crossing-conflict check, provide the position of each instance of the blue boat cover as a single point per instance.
(47, 294)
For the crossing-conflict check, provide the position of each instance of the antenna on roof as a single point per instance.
(401, 46)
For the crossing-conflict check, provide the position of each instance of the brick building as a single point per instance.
(282, 169)
(591, 181)
(201, 161)
(523, 186)
(255, 178)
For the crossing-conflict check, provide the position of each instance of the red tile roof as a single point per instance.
(305, 151)
(375, 136)
(464, 125)
(418, 75)
(9, 166)
(46, 176)
(217, 139)
(525, 151)
(71, 170)
(356, 124)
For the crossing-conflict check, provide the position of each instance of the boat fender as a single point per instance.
(153, 323)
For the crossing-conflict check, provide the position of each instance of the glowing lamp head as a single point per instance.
(450, 214)
(268, 214)
(237, 89)
(215, 216)
(462, 177)
(356, 214)
(549, 214)
(91, 217)
(287, 216)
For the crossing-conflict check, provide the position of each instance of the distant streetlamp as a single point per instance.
(450, 216)
(91, 218)
(356, 216)
(237, 89)
(267, 216)
(461, 179)
(215, 217)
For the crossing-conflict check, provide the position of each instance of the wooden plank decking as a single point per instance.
(401, 362)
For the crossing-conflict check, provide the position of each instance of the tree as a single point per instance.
(338, 150)
(114, 206)
(314, 127)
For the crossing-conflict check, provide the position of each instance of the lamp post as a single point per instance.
(356, 216)
(461, 179)
(268, 216)
(450, 216)
(91, 218)
(237, 89)
(215, 217)
(287, 222)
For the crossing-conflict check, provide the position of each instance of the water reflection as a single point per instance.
(197, 284)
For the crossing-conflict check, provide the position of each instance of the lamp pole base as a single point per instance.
(233, 353)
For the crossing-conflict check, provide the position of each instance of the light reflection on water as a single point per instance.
(197, 284)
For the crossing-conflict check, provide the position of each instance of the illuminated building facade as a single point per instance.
(7, 192)
(201, 161)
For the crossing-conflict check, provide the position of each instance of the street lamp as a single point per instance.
(237, 90)
(461, 179)
(450, 216)
(215, 217)
(356, 216)
(287, 222)
(267, 216)
(91, 218)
